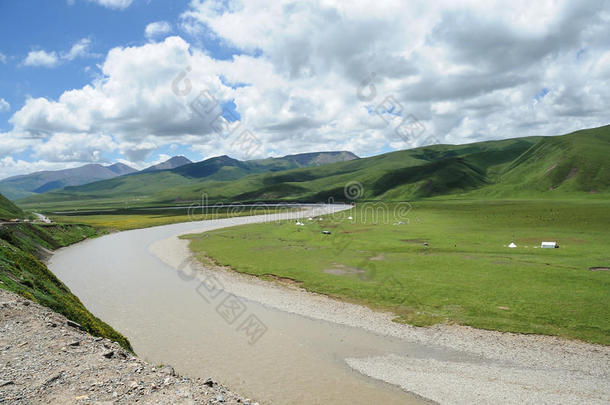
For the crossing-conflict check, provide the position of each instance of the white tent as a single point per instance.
(512, 245)
(549, 245)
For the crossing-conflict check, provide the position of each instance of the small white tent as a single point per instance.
(512, 245)
(549, 245)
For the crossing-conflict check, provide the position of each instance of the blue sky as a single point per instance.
(91, 80)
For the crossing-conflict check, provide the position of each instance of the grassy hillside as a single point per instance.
(532, 167)
(573, 163)
(8, 210)
(22, 246)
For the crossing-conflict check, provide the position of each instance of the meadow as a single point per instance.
(444, 261)
(127, 219)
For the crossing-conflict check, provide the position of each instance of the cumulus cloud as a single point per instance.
(74, 147)
(4, 105)
(467, 71)
(140, 99)
(41, 58)
(157, 28)
(326, 75)
(2, 58)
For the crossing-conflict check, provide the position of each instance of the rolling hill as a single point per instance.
(41, 182)
(8, 210)
(573, 163)
(530, 167)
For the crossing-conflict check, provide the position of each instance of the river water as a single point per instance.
(169, 320)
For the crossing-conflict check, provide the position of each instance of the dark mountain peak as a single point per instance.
(209, 166)
(224, 159)
(171, 163)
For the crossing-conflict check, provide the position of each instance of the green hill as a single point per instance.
(533, 167)
(573, 163)
(23, 246)
(8, 210)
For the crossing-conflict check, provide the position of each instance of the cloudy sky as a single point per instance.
(140, 80)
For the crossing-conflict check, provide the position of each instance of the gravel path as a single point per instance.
(507, 367)
(45, 360)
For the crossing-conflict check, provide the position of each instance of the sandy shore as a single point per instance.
(512, 368)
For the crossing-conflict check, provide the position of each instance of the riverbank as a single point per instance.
(24, 249)
(47, 360)
(495, 367)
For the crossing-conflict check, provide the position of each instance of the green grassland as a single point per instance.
(560, 167)
(8, 210)
(126, 219)
(466, 274)
(22, 249)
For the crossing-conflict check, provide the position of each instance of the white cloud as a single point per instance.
(157, 28)
(41, 58)
(133, 100)
(79, 49)
(13, 142)
(74, 147)
(2, 58)
(4, 105)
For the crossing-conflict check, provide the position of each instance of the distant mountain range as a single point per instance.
(44, 181)
(572, 165)
(41, 182)
(221, 168)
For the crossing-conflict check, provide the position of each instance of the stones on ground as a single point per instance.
(209, 382)
(52, 379)
(94, 370)
(74, 324)
(168, 370)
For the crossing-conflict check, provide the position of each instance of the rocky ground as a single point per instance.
(44, 358)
